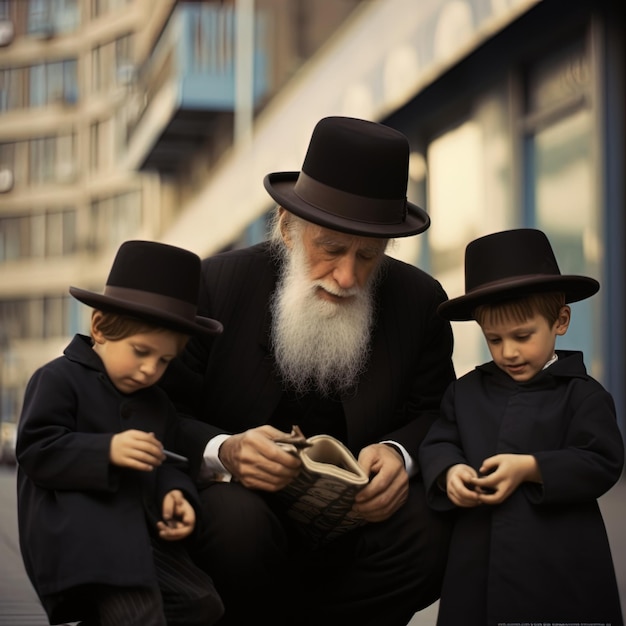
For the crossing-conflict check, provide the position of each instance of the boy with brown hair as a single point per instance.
(102, 516)
(524, 447)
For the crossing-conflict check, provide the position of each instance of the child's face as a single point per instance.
(138, 361)
(522, 349)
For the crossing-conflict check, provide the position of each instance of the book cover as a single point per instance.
(319, 500)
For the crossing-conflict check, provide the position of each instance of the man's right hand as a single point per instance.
(256, 461)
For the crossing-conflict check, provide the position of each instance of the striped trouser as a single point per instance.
(185, 595)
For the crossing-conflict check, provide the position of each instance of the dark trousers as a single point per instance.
(185, 595)
(379, 574)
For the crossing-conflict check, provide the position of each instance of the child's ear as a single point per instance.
(563, 319)
(96, 333)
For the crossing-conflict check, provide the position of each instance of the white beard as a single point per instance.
(319, 344)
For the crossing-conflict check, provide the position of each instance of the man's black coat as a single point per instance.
(231, 381)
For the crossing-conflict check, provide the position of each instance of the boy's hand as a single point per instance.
(459, 485)
(502, 474)
(137, 450)
(179, 517)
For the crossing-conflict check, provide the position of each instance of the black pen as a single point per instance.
(175, 457)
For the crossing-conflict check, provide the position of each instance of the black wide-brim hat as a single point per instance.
(511, 264)
(154, 282)
(354, 179)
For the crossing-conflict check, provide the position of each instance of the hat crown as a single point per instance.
(155, 282)
(157, 268)
(358, 157)
(508, 255)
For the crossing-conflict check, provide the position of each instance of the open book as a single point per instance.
(319, 500)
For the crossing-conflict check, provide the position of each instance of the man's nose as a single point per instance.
(345, 273)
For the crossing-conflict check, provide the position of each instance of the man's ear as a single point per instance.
(283, 224)
(563, 319)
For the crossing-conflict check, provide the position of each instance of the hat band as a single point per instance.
(348, 205)
(172, 306)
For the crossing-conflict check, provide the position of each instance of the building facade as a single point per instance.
(159, 119)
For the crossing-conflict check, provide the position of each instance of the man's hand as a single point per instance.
(256, 461)
(502, 474)
(179, 518)
(388, 488)
(460, 487)
(136, 449)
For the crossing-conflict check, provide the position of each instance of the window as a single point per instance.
(54, 83)
(559, 150)
(469, 184)
(37, 318)
(47, 18)
(115, 219)
(52, 160)
(47, 234)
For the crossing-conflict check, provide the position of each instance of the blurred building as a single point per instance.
(158, 119)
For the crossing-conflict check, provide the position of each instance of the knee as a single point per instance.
(237, 525)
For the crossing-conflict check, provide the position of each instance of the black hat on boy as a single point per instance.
(354, 180)
(155, 282)
(511, 264)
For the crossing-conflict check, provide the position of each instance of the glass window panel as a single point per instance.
(70, 81)
(95, 70)
(69, 231)
(4, 90)
(16, 87)
(11, 238)
(38, 235)
(37, 85)
(77, 317)
(54, 234)
(65, 158)
(470, 193)
(565, 210)
(54, 74)
(34, 318)
(53, 317)
(66, 15)
(93, 146)
(7, 155)
(38, 16)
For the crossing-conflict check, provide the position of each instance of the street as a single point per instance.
(19, 605)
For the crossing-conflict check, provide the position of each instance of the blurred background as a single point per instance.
(158, 119)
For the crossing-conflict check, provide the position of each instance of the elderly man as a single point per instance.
(321, 329)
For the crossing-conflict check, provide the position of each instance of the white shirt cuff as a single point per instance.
(212, 469)
(409, 463)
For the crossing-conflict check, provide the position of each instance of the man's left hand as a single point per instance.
(388, 488)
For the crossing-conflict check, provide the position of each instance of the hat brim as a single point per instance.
(462, 308)
(200, 325)
(280, 186)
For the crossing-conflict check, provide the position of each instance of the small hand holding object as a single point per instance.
(179, 517)
(501, 475)
(459, 485)
(136, 449)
